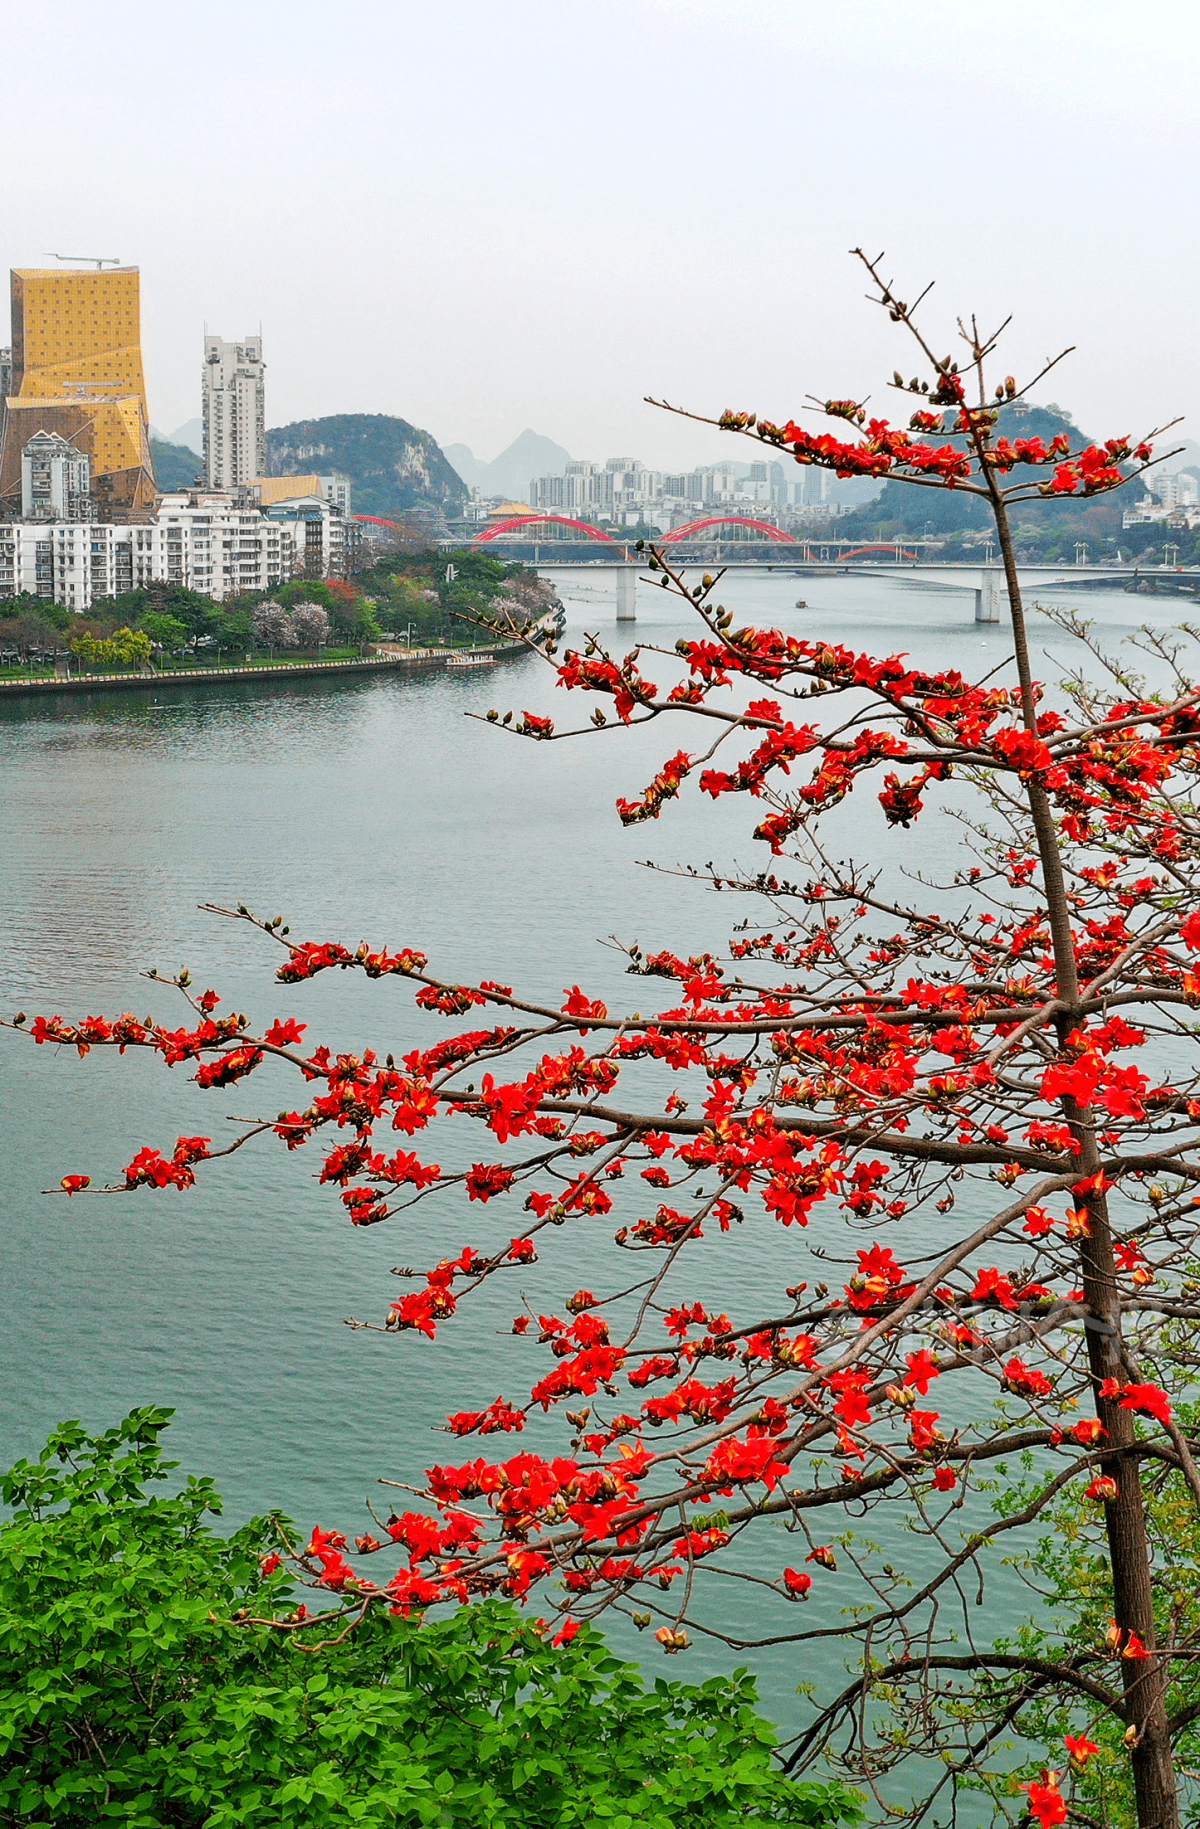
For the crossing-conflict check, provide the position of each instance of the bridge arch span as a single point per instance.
(518, 521)
(897, 550)
(377, 520)
(727, 520)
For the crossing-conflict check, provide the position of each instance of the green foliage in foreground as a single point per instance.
(1070, 1569)
(130, 1693)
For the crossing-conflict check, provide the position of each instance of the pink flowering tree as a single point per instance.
(861, 1071)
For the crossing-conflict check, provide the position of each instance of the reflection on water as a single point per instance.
(357, 808)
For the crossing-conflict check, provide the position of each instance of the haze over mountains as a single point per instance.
(191, 435)
(397, 468)
(509, 474)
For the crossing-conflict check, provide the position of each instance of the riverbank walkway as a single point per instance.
(374, 663)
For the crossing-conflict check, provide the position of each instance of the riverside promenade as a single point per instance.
(394, 659)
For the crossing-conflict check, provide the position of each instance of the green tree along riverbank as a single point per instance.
(140, 1686)
(409, 594)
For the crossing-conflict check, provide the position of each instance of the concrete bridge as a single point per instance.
(990, 588)
(985, 581)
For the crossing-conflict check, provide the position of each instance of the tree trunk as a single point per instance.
(1144, 1679)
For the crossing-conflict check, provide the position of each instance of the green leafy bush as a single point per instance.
(140, 1685)
(123, 648)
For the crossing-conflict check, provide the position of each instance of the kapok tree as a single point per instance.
(855, 1070)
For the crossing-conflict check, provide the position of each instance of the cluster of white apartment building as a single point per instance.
(244, 531)
(626, 492)
(216, 541)
(1175, 500)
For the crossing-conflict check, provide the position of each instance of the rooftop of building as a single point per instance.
(53, 441)
(92, 272)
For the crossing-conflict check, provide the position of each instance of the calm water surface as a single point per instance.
(364, 808)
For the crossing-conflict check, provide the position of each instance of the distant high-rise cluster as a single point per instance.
(626, 492)
(235, 421)
(74, 371)
(1174, 500)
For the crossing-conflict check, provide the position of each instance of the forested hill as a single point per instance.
(175, 466)
(394, 466)
(907, 508)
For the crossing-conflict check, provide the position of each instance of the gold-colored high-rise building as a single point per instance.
(77, 371)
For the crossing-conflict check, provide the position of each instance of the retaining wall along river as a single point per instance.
(414, 657)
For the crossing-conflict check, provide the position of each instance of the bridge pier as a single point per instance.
(627, 593)
(987, 598)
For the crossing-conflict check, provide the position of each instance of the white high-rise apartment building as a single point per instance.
(1179, 491)
(235, 424)
(55, 480)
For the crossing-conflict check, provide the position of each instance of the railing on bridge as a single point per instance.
(744, 537)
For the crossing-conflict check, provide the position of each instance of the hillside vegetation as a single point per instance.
(394, 466)
(1044, 529)
(175, 466)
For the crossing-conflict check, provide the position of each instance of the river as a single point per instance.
(358, 808)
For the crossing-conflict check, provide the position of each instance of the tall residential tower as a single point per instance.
(235, 425)
(77, 372)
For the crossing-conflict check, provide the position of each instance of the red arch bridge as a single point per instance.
(524, 524)
(527, 527)
(377, 520)
(691, 529)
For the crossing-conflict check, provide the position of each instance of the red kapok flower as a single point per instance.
(1148, 1399)
(1080, 1747)
(1046, 1800)
(281, 1033)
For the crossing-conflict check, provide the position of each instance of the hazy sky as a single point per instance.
(488, 214)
